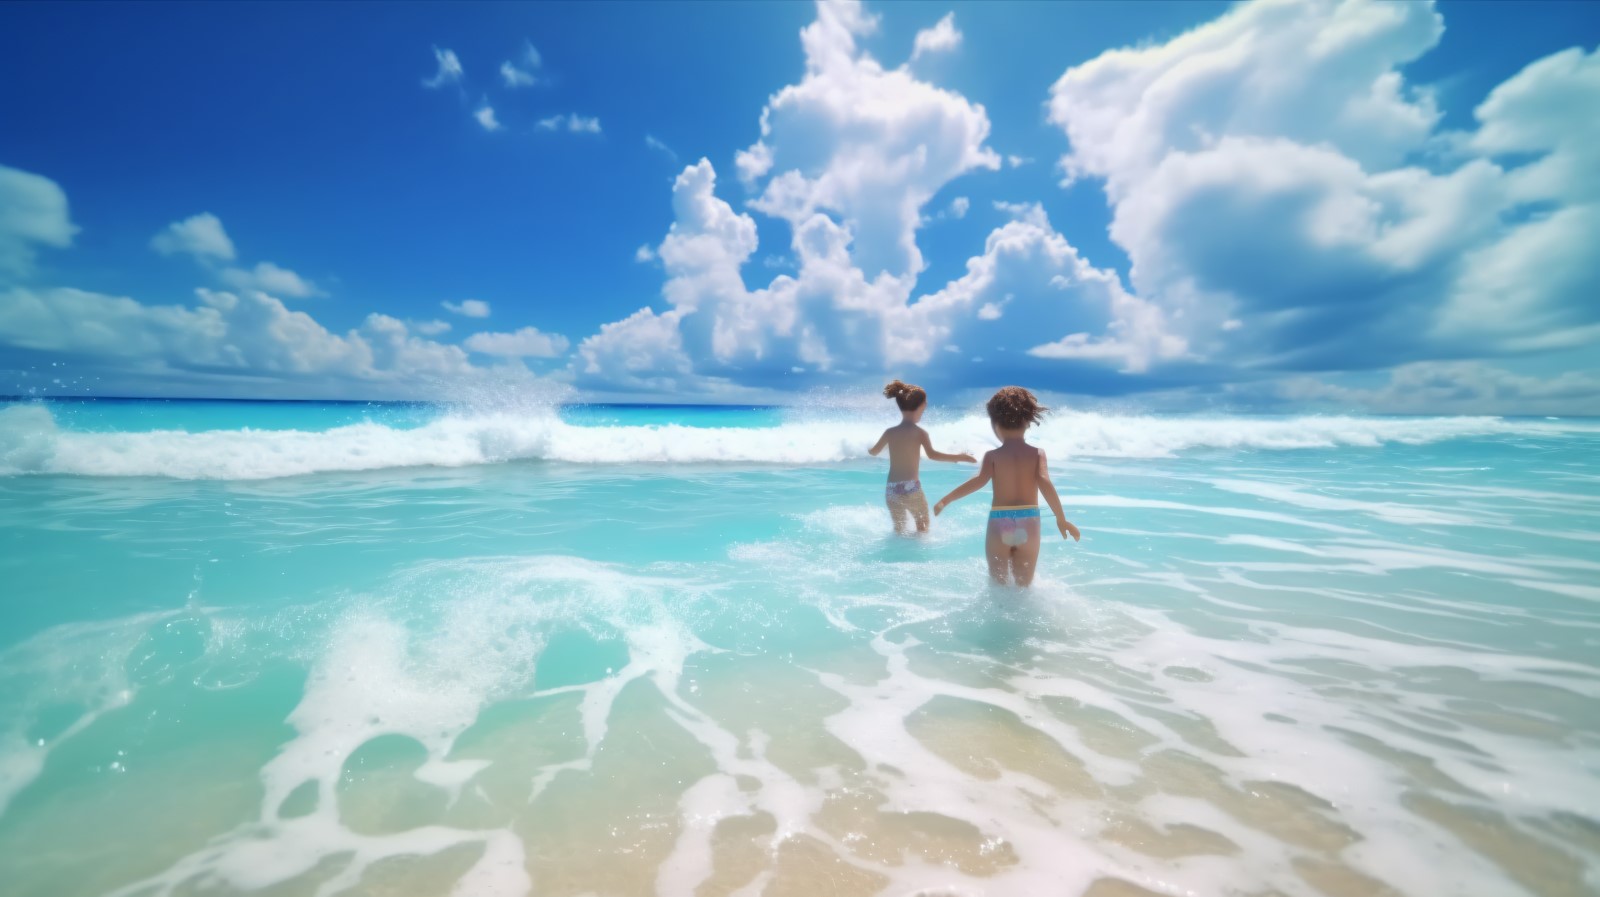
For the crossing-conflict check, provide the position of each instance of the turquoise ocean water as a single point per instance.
(318, 649)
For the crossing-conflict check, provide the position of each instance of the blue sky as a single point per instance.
(1288, 204)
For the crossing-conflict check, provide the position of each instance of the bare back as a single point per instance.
(905, 442)
(1015, 468)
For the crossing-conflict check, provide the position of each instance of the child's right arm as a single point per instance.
(984, 474)
(882, 441)
(936, 455)
(1048, 489)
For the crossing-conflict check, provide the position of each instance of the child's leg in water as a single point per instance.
(917, 504)
(999, 555)
(897, 511)
(1024, 559)
(906, 497)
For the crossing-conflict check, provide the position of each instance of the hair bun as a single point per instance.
(907, 396)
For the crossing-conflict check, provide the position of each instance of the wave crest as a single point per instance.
(32, 443)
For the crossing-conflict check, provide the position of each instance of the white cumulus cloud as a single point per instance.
(201, 236)
(241, 342)
(450, 71)
(848, 159)
(577, 124)
(248, 333)
(485, 117)
(529, 342)
(999, 302)
(941, 38)
(33, 212)
(867, 145)
(521, 73)
(640, 353)
(1270, 182)
(271, 279)
(653, 142)
(467, 308)
(1311, 71)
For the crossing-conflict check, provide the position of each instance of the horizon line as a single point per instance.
(738, 406)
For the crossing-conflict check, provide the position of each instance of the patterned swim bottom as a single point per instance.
(902, 487)
(1015, 525)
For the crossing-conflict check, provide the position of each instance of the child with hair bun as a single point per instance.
(1020, 473)
(906, 442)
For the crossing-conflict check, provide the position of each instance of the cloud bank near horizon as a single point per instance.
(1302, 231)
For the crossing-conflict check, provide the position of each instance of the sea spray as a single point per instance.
(31, 441)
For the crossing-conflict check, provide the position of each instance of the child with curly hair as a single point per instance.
(906, 442)
(1020, 473)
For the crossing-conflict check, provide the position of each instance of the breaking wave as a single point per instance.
(32, 442)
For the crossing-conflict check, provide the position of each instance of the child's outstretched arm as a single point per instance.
(970, 486)
(882, 441)
(936, 455)
(1054, 500)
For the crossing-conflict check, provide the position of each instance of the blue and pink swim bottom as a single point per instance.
(1015, 525)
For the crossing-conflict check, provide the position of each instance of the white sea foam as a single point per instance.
(32, 442)
(456, 635)
(1394, 512)
(1290, 717)
(376, 676)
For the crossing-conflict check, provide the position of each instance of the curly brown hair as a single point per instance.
(908, 397)
(1013, 408)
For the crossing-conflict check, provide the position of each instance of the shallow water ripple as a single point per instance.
(1326, 671)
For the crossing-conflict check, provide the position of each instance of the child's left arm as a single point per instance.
(1054, 500)
(936, 455)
